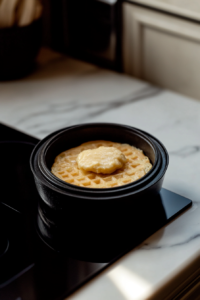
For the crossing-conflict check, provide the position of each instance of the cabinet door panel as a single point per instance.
(162, 49)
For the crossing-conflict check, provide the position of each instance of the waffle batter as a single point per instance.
(127, 165)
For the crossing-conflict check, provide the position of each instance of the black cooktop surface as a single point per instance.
(29, 269)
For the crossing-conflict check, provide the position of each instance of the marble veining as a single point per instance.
(63, 92)
(73, 112)
(148, 247)
(186, 151)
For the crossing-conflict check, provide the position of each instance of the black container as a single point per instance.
(19, 47)
(88, 221)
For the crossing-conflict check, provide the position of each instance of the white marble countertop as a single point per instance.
(62, 92)
(184, 8)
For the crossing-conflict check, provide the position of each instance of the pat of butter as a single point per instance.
(101, 160)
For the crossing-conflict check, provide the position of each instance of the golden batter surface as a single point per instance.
(66, 167)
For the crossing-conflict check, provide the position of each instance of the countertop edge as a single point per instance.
(183, 277)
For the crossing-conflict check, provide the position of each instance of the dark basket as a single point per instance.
(18, 49)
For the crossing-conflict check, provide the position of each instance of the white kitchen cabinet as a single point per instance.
(162, 49)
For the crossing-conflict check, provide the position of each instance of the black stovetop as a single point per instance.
(29, 269)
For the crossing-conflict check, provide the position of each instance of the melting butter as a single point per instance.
(103, 160)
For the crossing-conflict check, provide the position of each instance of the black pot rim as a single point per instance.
(48, 179)
(61, 184)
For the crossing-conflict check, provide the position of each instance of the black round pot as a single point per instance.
(86, 221)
